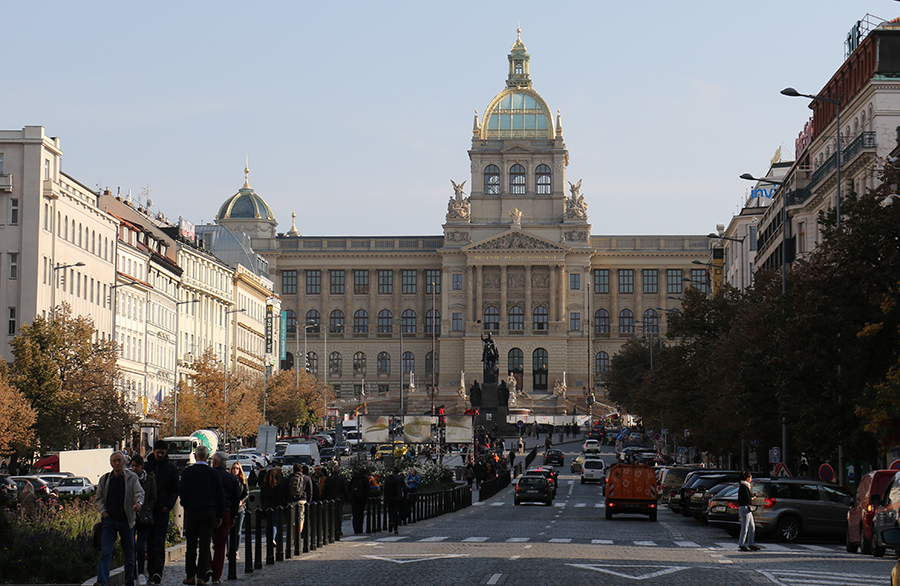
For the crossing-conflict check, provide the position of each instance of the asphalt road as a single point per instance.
(571, 542)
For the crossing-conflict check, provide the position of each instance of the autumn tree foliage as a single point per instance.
(16, 418)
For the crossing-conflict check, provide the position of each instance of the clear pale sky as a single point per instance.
(358, 114)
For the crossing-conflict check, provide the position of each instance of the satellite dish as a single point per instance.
(149, 203)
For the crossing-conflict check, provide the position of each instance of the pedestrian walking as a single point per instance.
(469, 474)
(748, 527)
(203, 499)
(521, 446)
(804, 465)
(166, 474)
(232, 501)
(238, 472)
(336, 489)
(359, 497)
(142, 529)
(119, 496)
(27, 501)
(300, 489)
(413, 481)
(395, 494)
(272, 494)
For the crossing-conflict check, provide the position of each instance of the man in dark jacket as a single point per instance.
(232, 501)
(336, 489)
(166, 494)
(203, 499)
(395, 493)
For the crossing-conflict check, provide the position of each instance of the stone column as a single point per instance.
(614, 303)
(504, 310)
(529, 315)
(396, 310)
(553, 309)
(479, 286)
(373, 302)
(423, 298)
(470, 293)
(586, 300)
(444, 303)
(563, 288)
(639, 297)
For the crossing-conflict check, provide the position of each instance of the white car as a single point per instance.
(75, 485)
(593, 470)
(246, 459)
(591, 446)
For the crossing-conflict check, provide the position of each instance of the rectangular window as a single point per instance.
(626, 281)
(575, 321)
(409, 285)
(574, 281)
(46, 169)
(14, 211)
(433, 278)
(385, 282)
(336, 282)
(13, 265)
(1, 163)
(601, 281)
(361, 282)
(752, 236)
(673, 281)
(698, 279)
(650, 279)
(12, 322)
(313, 282)
(382, 388)
(457, 322)
(457, 282)
(289, 282)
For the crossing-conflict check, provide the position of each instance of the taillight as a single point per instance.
(733, 506)
(653, 506)
(518, 488)
(769, 504)
(869, 509)
(690, 492)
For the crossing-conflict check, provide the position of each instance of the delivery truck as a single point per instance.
(631, 488)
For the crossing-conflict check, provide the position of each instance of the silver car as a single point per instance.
(793, 507)
(75, 485)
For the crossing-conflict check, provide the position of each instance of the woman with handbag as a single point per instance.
(238, 472)
(143, 524)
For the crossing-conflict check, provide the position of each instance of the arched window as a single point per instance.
(384, 363)
(492, 180)
(626, 321)
(66, 228)
(539, 363)
(516, 318)
(515, 360)
(79, 235)
(491, 318)
(540, 318)
(409, 362)
(93, 242)
(432, 365)
(361, 322)
(408, 322)
(517, 180)
(334, 363)
(359, 363)
(601, 363)
(433, 321)
(542, 180)
(601, 322)
(385, 321)
(651, 321)
(312, 319)
(290, 321)
(336, 322)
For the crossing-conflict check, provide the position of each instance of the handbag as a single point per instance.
(144, 519)
(98, 534)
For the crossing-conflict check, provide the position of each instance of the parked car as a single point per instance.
(534, 488)
(554, 457)
(593, 470)
(891, 538)
(725, 487)
(55, 478)
(792, 507)
(886, 513)
(862, 513)
(591, 446)
(327, 455)
(76, 485)
(41, 487)
(722, 511)
(670, 481)
(8, 485)
(692, 501)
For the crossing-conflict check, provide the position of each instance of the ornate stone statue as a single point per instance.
(462, 385)
(512, 383)
(559, 389)
(475, 395)
(489, 354)
(576, 207)
(458, 207)
(503, 394)
(516, 216)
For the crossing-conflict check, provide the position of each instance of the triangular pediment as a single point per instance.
(516, 240)
(516, 148)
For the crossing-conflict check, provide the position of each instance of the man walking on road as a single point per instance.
(166, 494)
(232, 502)
(203, 499)
(336, 489)
(119, 497)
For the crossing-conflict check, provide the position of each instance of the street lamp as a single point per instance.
(791, 92)
(400, 322)
(714, 236)
(225, 379)
(63, 267)
(177, 335)
(750, 177)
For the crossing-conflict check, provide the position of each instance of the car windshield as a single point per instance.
(71, 482)
(593, 464)
(532, 481)
(180, 447)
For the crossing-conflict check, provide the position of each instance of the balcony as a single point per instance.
(6, 182)
(864, 140)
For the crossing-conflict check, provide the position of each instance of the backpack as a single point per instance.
(296, 487)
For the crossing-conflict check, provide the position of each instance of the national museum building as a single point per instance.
(516, 258)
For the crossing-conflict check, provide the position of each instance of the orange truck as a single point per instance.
(631, 488)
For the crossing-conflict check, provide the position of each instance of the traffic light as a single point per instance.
(307, 367)
(441, 421)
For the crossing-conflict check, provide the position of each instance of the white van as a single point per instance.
(302, 453)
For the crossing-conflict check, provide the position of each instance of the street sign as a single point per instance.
(520, 423)
(657, 437)
(782, 470)
(775, 455)
(681, 450)
(826, 473)
(665, 431)
(895, 465)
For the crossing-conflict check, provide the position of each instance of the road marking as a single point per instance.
(435, 538)
(601, 541)
(560, 541)
(515, 557)
(498, 504)
(354, 537)
(478, 504)
(686, 544)
(599, 505)
(815, 547)
(633, 575)
(559, 504)
(495, 578)
(410, 558)
(517, 539)
(580, 505)
(646, 543)
(798, 577)
(476, 539)
(393, 538)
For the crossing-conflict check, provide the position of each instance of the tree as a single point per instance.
(16, 418)
(284, 405)
(67, 379)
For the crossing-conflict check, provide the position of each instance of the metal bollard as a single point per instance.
(329, 521)
(259, 539)
(232, 552)
(270, 547)
(289, 532)
(320, 523)
(312, 526)
(248, 543)
(304, 533)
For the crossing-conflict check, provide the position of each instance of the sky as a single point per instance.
(358, 114)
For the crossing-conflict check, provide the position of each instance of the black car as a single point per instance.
(8, 486)
(554, 458)
(327, 455)
(533, 489)
(693, 502)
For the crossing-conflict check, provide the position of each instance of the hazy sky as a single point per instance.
(358, 114)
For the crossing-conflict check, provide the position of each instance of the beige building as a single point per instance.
(516, 258)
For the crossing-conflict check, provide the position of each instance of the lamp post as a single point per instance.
(713, 236)
(177, 335)
(306, 326)
(791, 92)
(62, 267)
(400, 322)
(750, 177)
(225, 379)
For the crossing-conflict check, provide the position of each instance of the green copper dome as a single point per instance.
(245, 204)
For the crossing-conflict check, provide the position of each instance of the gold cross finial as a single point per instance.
(519, 31)
(247, 172)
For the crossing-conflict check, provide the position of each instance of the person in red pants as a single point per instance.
(232, 503)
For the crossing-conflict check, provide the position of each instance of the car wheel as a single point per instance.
(582, 480)
(789, 528)
(733, 531)
(549, 502)
(653, 515)
(851, 546)
(516, 502)
(609, 513)
(865, 546)
(877, 550)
